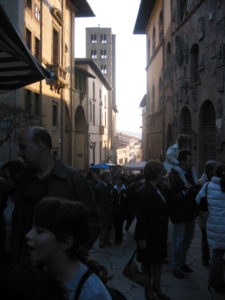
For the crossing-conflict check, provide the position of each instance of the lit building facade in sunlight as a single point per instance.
(47, 28)
(92, 134)
(128, 149)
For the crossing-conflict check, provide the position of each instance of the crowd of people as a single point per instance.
(51, 215)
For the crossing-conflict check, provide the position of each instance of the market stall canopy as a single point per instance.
(102, 166)
(135, 166)
(18, 67)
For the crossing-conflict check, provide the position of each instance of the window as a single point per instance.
(153, 41)
(105, 151)
(55, 114)
(148, 49)
(93, 54)
(93, 114)
(168, 61)
(103, 69)
(160, 26)
(168, 53)
(28, 38)
(93, 39)
(90, 112)
(28, 101)
(55, 46)
(100, 116)
(105, 119)
(37, 48)
(93, 87)
(103, 54)
(153, 99)
(194, 64)
(37, 104)
(103, 39)
(37, 12)
(29, 4)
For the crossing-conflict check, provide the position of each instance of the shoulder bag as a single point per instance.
(132, 272)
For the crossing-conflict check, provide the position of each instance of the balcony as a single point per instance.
(101, 129)
(59, 79)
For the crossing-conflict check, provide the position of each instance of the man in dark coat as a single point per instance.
(103, 193)
(183, 211)
(45, 176)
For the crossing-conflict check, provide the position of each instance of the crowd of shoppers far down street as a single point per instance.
(51, 215)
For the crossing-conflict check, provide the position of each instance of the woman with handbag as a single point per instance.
(152, 226)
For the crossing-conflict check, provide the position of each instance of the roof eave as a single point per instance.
(144, 12)
(94, 66)
(83, 9)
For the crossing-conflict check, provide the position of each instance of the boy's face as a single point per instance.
(42, 245)
(187, 164)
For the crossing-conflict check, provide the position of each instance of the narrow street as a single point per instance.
(193, 286)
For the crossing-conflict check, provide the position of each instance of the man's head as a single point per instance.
(34, 143)
(106, 176)
(185, 160)
(184, 141)
(153, 170)
(209, 168)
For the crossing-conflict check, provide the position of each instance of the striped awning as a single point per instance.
(18, 67)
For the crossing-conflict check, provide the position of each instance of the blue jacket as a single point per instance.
(216, 219)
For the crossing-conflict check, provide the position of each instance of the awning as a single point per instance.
(18, 67)
(102, 166)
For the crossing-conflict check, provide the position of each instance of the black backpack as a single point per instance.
(115, 294)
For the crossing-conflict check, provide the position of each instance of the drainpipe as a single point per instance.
(71, 139)
(40, 83)
(163, 94)
(61, 91)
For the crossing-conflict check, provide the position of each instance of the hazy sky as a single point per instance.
(120, 15)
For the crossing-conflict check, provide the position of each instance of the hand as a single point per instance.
(142, 244)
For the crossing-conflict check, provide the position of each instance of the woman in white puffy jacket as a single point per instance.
(216, 227)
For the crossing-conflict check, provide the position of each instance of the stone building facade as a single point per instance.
(47, 28)
(186, 94)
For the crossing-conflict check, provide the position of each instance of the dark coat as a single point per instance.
(30, 283)
(104, 200)
(63, 182)
(152, 223)
(120, 203)
(182, 205)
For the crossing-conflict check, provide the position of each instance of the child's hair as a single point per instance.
(220, 172)
(64, 218)
(183, 140)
